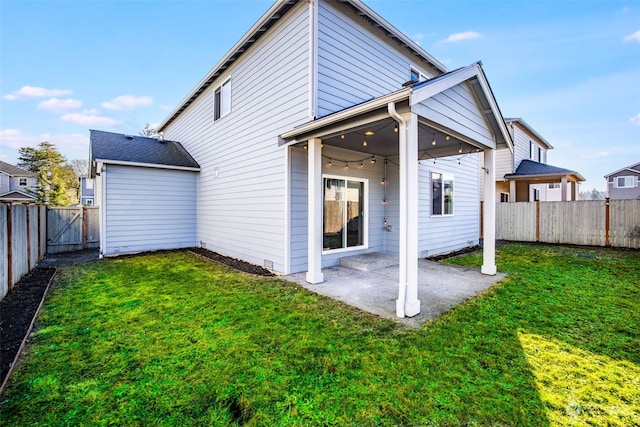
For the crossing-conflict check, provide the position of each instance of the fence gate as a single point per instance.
(72, 229)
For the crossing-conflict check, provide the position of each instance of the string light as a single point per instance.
(342, 136)
(433, 142)
(361, 165)
(373, 160)
(346, 166)
(364, 143)
(460, 149)
(330, 164)
(395, 128)
(447, 137)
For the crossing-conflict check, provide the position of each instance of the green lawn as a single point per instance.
(172, 339)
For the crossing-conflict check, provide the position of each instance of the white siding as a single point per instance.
(242, 185)
(148, 209)
(457, 109)
(356, 61)
(442, 234)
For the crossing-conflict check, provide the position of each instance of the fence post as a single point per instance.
(537, 220)
(9, 246)
(28, 239)
(85, 228)
(607, 222)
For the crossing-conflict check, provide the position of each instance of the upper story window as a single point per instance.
(553, 185)
(441, 194)
(23, 182)
(540, 159)
(625, 182)
(532, 153)
(222, 100)
(417, 76)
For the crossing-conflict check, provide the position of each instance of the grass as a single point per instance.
(171, 339)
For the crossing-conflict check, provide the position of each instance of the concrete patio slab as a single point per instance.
(373, 286)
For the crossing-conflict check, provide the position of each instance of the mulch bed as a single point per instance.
(16, 313)
(233, 262)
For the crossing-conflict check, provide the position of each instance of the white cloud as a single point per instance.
(55, 105)
(35, 92)
(88, 118)
(635, 37)
(127, 102)
(71, 145)
(457, 37)
(635, 119)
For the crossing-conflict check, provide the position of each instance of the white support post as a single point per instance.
(489, 215)
(314, 239)
(408, 303)
(512, 191)
(563, 189)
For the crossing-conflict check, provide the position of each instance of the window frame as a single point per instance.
(365, 214)
(532, 154)
(554, 185)
(219, 103)
(443, 177)
(504, 197)
(421, 76)
(21, 180)
(627, 178)
(540, 154)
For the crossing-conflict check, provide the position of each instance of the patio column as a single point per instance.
(563, 189)
(314, 238)
(408, 303)
(512, 191)
(489, 214)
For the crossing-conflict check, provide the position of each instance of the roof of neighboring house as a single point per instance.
(15, 171)
(116, 148)
(273, 15)
(16, 195)
(633, 168)
(529, 129)
(529, 168)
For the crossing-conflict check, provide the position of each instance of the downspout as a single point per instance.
(402, 284)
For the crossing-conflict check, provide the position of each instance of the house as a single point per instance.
(523, 175)
(624, 183)
(17, 185)
(324, 133)
(146, 191)
(87, 194)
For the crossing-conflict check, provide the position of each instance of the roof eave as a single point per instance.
(146, 165)
(530, 129)
(578, 177)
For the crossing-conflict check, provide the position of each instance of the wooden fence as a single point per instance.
(593, 222)
(29, 232)
(72, 228)
(23, 234)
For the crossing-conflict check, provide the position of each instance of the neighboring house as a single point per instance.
(146, 191)
(87, 194)
(624, 183)
(17, 185)
(324, 133)
(524, 175)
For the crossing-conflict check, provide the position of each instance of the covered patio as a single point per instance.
(370, 283)
(453, 114)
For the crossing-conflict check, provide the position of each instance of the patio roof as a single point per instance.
(530, 170)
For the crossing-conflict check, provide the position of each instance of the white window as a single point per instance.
(532, 154)
(344, 223)
(625, 182)
(540, 154)
(89, 202)
(504, 197)
(441, 194)
(222, 100)
(553, 185)
(23, 182)
(416, 76)
(536, 195)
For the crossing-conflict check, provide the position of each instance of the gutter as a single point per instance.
(402, 284)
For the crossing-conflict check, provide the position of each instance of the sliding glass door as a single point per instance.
(344, 213)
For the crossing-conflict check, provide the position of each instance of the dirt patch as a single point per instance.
(16, 313)
(233, 263)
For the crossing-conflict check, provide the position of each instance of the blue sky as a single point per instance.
(571, 69)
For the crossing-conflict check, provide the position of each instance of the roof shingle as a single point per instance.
(15, 171)
(139, 149)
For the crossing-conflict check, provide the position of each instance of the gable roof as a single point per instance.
(529, 129)
(633, 168)
(16, 195)
(529, 169)
(15, 171)
(273, 15)
(116, 148)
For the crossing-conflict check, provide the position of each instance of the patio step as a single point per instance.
(369, 262)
